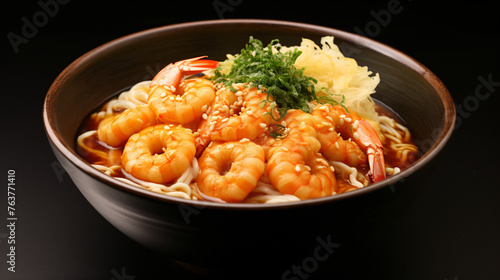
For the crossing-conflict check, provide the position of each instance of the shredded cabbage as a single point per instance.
(340, 75)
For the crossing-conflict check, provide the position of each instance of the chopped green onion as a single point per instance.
(275, 74)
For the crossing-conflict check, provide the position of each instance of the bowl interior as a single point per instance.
(406, 86)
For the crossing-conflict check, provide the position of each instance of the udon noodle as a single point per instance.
(398, 145)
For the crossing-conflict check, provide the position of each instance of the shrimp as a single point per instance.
(334, 119)
(230, 170)
(296, 167)
(159, 153)
(115, 130)
(235, 116)
(181, 102)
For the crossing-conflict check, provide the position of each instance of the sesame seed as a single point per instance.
(341, 121)
(342, 116)
(329, 118)
(224, 120)
(171, 98)
(230, 146)
(167, 127)
(249, 112)
(331, 129)
(204, 108)
(337, 145)
(332, 169)
(356, 136)
(163, 94)
(170, 133)
(204, 116)
(244, 140)
(348, 119)
(307, 167)
(212, 127)
(297, 168)
(263, 125)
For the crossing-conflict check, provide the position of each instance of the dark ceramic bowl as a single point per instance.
(211, 234)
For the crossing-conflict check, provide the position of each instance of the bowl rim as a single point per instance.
(356, 39)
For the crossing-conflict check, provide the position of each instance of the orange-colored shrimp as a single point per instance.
(295, 167)
(230, 170)
(235, 116)
(159, 153)
(115, 130)
(266, 141)
(333, 120)
(181, 102)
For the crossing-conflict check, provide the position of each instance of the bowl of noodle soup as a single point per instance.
(182, 222)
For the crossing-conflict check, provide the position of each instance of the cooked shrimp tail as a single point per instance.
(172, 74)
(177, 101)
(369, 140)
(351, 126)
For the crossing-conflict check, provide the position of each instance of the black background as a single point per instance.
(451, 231)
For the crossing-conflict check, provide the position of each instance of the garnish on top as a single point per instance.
(298, 75)
(274, 73)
